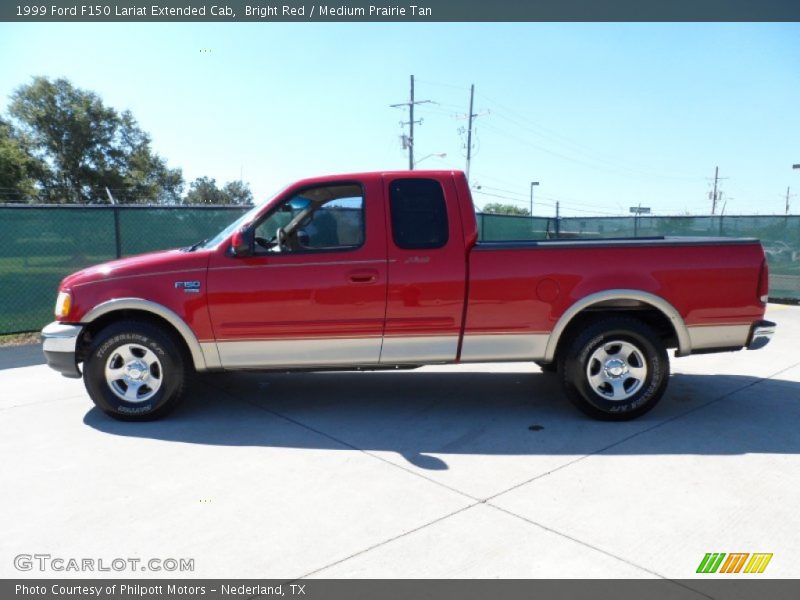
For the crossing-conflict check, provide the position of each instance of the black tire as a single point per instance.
(168, 373)
(623, 343)
(551, 367)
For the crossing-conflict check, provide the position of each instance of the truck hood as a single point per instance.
(152, 263)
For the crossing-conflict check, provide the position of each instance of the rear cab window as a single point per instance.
(418, 214)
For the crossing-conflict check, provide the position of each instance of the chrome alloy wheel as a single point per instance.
(616, 370)
(134, 373)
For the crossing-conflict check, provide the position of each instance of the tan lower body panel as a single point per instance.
(503, 346)
(708, 337)
(367, 351)
(417, 349)
(211, 355)
(331, 352)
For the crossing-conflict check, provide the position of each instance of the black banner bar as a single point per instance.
(399, 10)
(733, 588)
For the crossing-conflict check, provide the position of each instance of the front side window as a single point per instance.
(419, 214)
(329, 217)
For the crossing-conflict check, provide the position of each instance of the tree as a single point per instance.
(19, 170)
(87, 147)
(238, 192)
(498, 208)
(204, 190)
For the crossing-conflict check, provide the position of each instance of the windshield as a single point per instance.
(245, 218)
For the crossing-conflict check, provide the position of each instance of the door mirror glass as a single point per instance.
(296, 204)
(241, 242)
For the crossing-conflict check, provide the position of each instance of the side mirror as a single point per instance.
(242, 242)
(297, 203)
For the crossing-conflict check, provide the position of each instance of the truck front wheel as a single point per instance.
(616, 369)
(134, 371)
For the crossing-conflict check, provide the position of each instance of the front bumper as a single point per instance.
(760, 334)
(59, 344)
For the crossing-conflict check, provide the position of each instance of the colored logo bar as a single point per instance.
(720, 562)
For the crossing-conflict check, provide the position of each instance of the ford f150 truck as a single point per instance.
(385, 270)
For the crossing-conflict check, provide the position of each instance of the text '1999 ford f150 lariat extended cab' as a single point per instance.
(384, 270)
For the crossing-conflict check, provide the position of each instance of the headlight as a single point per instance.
(63, 305)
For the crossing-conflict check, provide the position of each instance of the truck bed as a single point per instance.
(615, 242)
(709, 287)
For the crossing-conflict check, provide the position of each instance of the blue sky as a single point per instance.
(604, 116)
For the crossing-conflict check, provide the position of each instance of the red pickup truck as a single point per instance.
(385, 271)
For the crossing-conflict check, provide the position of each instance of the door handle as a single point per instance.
(362, 276)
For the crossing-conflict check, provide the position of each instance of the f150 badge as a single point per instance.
(190, 287)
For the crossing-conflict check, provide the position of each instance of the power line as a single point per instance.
(554, 204)
(521, 121)
(569, 202)
(510, 199)
(443, 113)
(542, 148)
(442, 84)
(489, 187)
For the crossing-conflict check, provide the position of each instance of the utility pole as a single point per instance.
(117, 241)
(788, 189)
(411, 127)
(722, 215)
(715, 195)
(469, 129)
(408, 142)
(470, 116)
(558, 219)
(533, 183)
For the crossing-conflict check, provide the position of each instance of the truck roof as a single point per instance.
(434, 173)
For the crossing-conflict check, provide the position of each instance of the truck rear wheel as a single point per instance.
(615, 370)
(134, 371)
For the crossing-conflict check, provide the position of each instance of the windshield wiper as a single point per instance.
(196, 245)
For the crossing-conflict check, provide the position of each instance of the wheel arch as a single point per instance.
(120, 308)
(620, 301)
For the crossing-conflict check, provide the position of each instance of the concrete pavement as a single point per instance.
(20, 356)
(468, 471)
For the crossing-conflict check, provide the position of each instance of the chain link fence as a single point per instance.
(40, 245)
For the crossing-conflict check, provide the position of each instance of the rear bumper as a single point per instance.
(760, 334)
(59, 343)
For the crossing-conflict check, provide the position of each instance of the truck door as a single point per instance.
(426, 270)
(314, 291)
